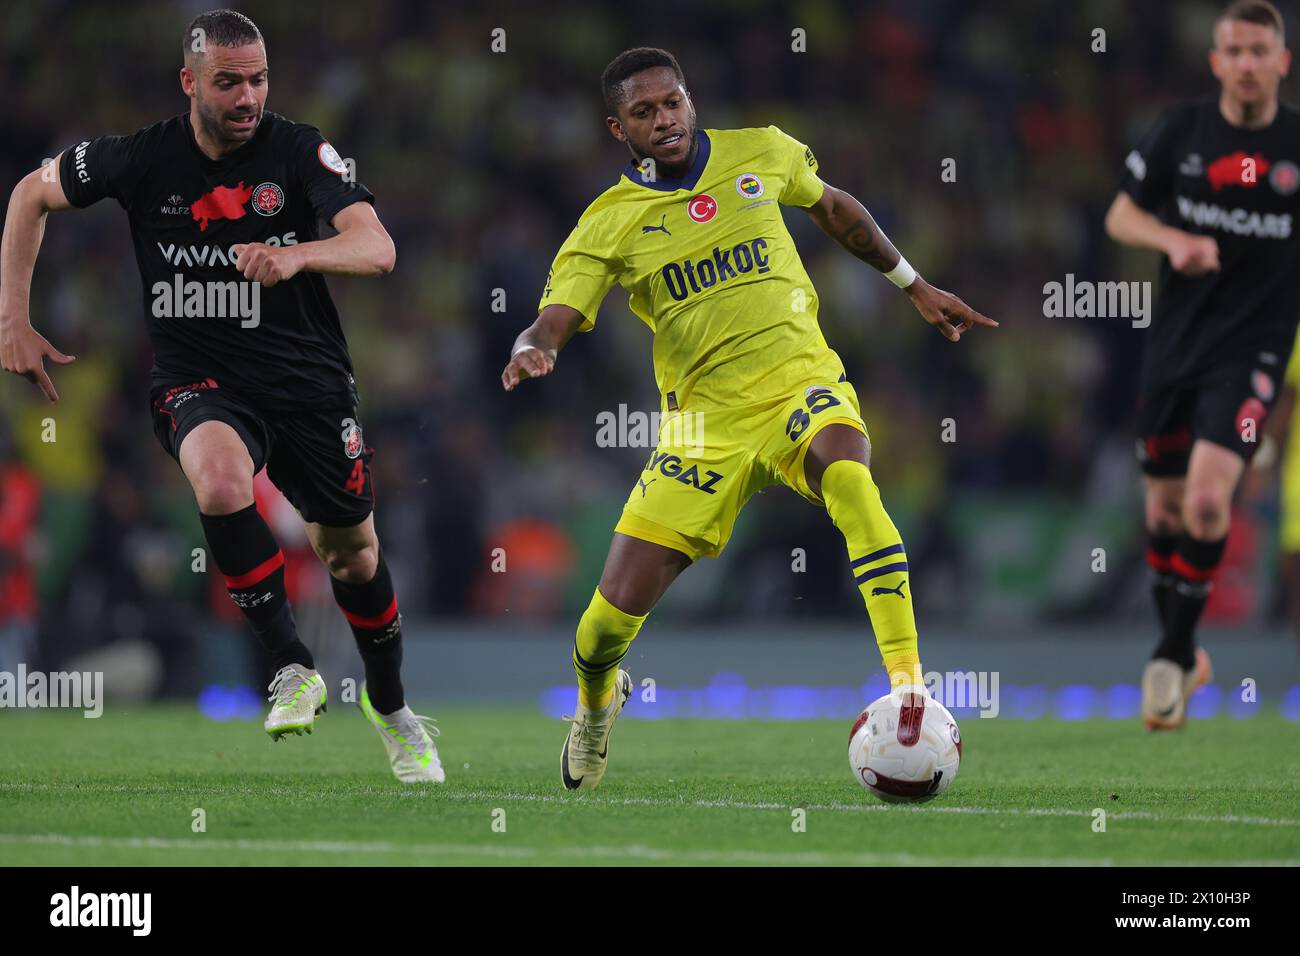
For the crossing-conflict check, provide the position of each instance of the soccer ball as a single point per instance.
(905, 747)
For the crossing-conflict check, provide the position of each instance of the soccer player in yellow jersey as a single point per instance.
(751, 393)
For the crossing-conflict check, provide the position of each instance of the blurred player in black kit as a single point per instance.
(1214, 187)
(251, 367)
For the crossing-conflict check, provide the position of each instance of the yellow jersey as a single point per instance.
(1291, 461)
(1290, 474)
(1293, 368)
(711, 269)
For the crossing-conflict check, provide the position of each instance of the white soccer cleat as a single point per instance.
(297, 696)
(1166, 688)
(408, 738)
(586, 749)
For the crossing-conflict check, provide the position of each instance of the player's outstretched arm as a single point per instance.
(361, 248)
(1190, 254)
(535, 350)
(847, 221)
(23, 350)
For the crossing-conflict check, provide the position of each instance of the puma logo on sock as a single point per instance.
(898, 590)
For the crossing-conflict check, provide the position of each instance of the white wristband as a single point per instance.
(902, 275)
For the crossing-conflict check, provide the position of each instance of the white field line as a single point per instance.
(629, 853)
(884, 808)
(483, 796)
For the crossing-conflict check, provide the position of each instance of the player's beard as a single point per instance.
(214, 126)
(670, 170)
(1254, 94)
(1253, 104)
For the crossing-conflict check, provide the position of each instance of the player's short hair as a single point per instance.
(218, 28)
(1255, 11)
(629, 63)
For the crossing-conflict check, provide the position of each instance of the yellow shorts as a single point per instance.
(709, 463)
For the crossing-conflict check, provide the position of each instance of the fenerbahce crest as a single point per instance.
(351, 436)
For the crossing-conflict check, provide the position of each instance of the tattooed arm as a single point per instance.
(847, 221)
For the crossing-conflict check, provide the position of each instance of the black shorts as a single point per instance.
(316, 456)
(1228, 407)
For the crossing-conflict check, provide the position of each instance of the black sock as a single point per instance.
(371, 610)
(1160, 552)
(1193, 565)
(251, 562)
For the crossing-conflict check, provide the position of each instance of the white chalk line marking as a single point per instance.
(483, 796)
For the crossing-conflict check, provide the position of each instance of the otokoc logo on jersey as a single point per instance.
(696, 275)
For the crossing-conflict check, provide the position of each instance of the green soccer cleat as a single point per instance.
(408, 738)
(586, 749)
(297, 696)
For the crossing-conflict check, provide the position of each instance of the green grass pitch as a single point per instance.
(123, 789)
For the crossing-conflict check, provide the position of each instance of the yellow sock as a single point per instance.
(879, 565)
(904, 668)
(604, 634)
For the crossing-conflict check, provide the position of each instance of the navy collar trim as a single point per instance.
(667, 185)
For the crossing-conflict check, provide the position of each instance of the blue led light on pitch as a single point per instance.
(1291, 703)
(558, 701)
(1075, 702)
(1241, 709)
(846, 700)
(874, 689)
(665, 704)
(728, 697)
(1123, 702)
(214, 703)
(219, 702)
(792, 703)
(1205, 702)
(1026, 703)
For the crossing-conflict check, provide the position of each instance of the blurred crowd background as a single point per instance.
(481, 163)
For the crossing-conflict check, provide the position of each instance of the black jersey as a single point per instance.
(187, 211)
(1200, 174)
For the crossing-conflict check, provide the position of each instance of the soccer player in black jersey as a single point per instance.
(250, 364)
(1214, 187)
